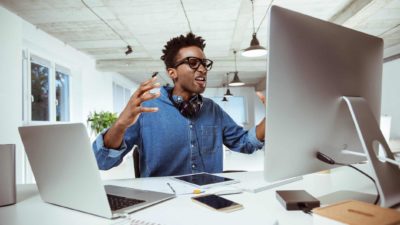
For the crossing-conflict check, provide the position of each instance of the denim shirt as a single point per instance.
(171, 144)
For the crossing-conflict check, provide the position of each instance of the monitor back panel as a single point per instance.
(311, 64)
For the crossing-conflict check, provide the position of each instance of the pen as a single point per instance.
(195, 192)
(173, 190)
(154, 74)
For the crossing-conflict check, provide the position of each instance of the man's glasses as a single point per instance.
(194, 63)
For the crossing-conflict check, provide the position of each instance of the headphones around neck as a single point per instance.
(188, 109)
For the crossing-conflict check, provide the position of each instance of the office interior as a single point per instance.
(68, 39)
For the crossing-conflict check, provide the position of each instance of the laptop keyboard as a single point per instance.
(118, 202)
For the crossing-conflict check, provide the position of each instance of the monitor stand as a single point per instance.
(387, 175)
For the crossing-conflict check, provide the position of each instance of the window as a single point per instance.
(40, 92)
(48, 87)
(121, 96)
(235, 107)
(62, 94)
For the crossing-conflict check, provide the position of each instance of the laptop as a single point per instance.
(67, 175)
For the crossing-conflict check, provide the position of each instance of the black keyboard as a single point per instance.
(118, 202)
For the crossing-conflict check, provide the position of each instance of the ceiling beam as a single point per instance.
(388, 53)
(369, 10)
(351, 9)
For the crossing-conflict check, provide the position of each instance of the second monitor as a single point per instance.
(324, 95)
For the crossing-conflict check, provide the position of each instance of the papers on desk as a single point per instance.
(254, 182)
(250, 182)
(160, 184)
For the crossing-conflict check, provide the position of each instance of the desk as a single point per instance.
(259, 208)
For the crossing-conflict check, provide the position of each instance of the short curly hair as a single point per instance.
(173, 46)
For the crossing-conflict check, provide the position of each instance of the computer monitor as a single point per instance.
(311, 65)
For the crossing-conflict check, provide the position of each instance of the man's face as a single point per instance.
(189, 80)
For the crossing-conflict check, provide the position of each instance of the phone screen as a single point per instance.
(216, 202)
(203, 179)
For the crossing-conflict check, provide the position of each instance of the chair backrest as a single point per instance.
(136, 161)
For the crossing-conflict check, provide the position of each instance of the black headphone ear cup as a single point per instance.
(188, 109)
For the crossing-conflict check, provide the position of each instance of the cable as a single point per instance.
(187, 19)
(109, 26)
(305, 208)
(262, 20)
(252, 13)
(326, 159)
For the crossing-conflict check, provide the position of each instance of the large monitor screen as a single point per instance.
(311, 65)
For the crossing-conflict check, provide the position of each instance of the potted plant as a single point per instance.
(98, 121)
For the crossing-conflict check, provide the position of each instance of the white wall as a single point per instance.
(11, 84)
(391, 95)
(90, 89)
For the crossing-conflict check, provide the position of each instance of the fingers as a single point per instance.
(146, 109)
(142, 93)
(261, 97)
(146, 86)
(145, 97)
(151, 80)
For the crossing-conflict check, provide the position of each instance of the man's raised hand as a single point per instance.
(134, 107)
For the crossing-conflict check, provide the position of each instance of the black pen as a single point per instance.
(154, 74)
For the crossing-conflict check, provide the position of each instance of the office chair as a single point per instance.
(136, 161)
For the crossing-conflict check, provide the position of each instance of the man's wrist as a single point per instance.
(119, 126)
(113, 137)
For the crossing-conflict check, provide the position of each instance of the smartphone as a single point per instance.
(218, 203)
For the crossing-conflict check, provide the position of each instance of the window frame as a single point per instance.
(27, 88)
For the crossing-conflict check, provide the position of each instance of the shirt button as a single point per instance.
(193, 165)
(191, 126)
(192, 146)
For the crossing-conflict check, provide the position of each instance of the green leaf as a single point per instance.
(98, 121)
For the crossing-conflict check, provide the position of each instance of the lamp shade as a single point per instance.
(224, 99)
(228, 93)
(236, 81)
(255, 49)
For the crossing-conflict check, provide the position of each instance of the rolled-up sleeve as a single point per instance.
(253, 138)
(108, 158)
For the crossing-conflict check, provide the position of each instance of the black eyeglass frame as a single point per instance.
(207, 63)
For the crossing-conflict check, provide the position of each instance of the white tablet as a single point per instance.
(205, 180)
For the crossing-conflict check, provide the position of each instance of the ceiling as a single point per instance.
(224, 24)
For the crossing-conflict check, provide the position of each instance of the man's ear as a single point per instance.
(172, 73)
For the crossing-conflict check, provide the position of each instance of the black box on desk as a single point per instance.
(297, 200)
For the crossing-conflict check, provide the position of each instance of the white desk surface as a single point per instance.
(259, 208)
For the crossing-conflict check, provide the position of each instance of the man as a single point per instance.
(176, 130)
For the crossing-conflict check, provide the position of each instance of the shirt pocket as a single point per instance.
(209, 140)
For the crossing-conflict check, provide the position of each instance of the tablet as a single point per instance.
(205, 180)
